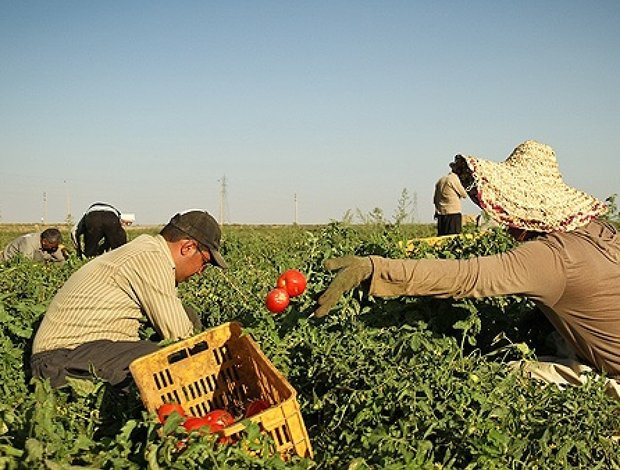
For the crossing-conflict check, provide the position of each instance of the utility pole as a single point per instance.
(69, 218)
(222, 199)
(44, 208)
(295, 202)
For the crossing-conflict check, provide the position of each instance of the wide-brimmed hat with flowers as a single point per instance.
(527, 191)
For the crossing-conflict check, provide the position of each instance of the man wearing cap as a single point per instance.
(101, 226)
(568, 263)
(447, 200)
(92, 325)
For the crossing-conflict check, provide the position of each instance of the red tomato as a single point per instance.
(220, 417)
(293, 281)
(256, 406)
(277, 300)
(167, 408)
(193, 424)
(211, 424)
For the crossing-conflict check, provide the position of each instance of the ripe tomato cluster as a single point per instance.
(212, 422)
(290, 283)
(215, 420)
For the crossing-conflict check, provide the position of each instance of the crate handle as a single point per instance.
(185, 353)
(198, 348)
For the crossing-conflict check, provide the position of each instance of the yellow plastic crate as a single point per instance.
(409, 245)
(221, 368)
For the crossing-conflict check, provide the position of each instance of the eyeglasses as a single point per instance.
(205, 262)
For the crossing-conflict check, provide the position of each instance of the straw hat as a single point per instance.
(526, 191)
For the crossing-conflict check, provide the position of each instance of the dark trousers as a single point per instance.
(108, 360)
(105, 359)
(102, 231)
(449, 224)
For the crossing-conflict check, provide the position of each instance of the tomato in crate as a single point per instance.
(224, 369)
(220, 417)
(167, 409)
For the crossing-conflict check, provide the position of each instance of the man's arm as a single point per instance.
(458, 187)
(151, 280)
(436, 195)
(58, 256)
(76, 237)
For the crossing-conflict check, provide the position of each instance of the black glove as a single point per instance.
(352, 271)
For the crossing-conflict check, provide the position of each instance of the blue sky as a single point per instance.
(339, 104)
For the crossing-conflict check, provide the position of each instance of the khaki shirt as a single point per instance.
(29, 246)
(573, 277)
(108, 297)
(448, 194)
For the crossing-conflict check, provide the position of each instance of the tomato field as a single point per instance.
(382, 383)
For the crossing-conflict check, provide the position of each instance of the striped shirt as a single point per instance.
(109, 297)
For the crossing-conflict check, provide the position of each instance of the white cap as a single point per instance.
(128, 218)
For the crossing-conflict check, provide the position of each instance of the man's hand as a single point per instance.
(63, 251)
(194, 318)
(352, 271)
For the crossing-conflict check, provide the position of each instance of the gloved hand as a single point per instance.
(352, 271)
